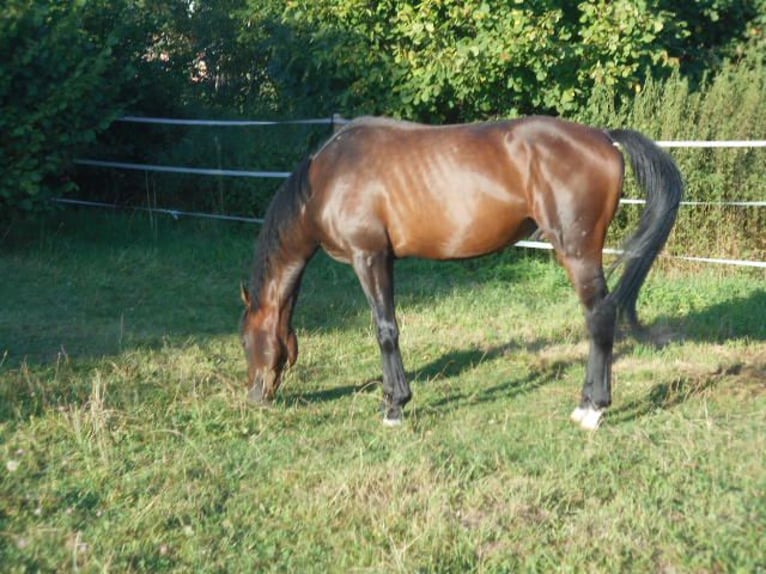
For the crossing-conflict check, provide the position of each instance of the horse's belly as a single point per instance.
(442, 234)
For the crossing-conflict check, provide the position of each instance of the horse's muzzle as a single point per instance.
(255, 394)
(263, 390)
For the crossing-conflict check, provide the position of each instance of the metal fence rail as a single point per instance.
(337, 120)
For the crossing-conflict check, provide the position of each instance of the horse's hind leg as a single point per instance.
(375, 273)
(587, 275)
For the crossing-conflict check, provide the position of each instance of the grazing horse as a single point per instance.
(379, 190)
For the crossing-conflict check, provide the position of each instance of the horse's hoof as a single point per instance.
(577, 415)
(392, 417)
(588, 418)
(392, 422)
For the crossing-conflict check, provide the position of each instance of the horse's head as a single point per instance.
(269, 345)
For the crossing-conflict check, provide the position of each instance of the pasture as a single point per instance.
(127, 444)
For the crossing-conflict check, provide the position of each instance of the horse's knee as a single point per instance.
(388, 336)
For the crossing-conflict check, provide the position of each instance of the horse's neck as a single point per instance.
(285, 244)
(279, 270)
(274, 282)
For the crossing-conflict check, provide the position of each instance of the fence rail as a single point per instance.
(177, 214)
(338, 120)
(176, 169)
(233, 123)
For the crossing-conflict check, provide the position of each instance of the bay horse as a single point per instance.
(380, 189)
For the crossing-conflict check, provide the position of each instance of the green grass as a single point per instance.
(126, 442)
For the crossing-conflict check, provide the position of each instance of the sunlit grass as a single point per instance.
(126, 442)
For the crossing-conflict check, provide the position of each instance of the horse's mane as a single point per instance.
(383, 122)
(370, 122)
(284, 209)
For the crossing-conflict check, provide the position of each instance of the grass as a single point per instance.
(126, 442)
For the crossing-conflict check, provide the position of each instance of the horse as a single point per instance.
(380, 189)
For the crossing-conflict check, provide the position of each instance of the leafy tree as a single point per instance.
(717, 29)
(53, 97)
(462, 59)
(67, 70)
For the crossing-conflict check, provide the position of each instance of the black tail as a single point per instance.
(659, 177)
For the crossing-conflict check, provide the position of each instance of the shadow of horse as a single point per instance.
(737, 318)
(448, 366)
(668, 395)
(457, 362)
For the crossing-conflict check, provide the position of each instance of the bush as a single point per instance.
(727, 106)
(57, 91)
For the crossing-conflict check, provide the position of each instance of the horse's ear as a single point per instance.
(244, 293)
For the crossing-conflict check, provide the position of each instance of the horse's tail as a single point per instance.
(659, 177)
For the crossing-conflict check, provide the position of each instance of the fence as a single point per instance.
(336, 120)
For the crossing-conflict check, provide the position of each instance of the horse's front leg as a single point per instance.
(375, 272)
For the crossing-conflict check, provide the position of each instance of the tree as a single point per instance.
(51, 97)
(447, 60)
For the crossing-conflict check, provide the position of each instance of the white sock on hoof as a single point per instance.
(578, 415)
(587, 417)
(392, 422)
(592, 419)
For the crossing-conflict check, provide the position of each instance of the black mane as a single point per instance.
(285, 208)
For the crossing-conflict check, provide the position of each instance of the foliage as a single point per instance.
(458, 60)
(718, 29)
(728, 105)
(68, 70)
(55, 95)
